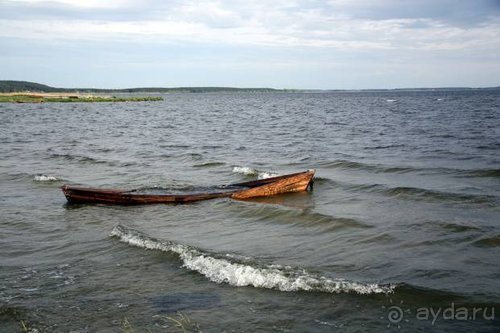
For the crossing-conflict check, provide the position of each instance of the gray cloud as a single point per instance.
(453, 12)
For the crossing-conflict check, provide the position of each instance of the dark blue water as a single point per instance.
(401, 231)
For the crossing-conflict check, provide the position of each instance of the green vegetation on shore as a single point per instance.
(17, 86)
(31, 98)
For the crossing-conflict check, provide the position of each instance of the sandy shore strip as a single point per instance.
(54, 94)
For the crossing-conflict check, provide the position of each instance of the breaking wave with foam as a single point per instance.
(252, 172)
(45, 178)
(227, 269)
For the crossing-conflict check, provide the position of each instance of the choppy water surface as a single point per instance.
(403, 218)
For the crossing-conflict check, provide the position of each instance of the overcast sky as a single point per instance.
(337, 44)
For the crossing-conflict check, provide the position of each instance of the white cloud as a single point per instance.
(277, 23)
(210, 23)
(340, 35)
(78, 3)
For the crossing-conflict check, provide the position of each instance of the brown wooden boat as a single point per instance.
(295, 182)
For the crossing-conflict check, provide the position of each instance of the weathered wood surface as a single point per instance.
(276, 185)
(259, 188)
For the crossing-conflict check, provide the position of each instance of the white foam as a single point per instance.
(252, 172)
(391, 100)
(244, 170)
(221, 270)
(264, 175)
(45, 178)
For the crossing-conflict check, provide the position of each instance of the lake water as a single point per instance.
(400, 233)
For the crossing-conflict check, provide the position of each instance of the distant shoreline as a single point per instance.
(25, 87)
(33, 87)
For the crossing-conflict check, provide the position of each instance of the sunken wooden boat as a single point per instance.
(295, 182)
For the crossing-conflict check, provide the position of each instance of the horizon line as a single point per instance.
(255, 87)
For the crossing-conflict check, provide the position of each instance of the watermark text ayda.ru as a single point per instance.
(396, 314)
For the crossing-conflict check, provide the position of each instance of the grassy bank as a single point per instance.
(69, 98)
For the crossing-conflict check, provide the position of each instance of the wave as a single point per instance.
(45, 178)
(493, 241)
(383, 147)
(346, 164)
(83, 159)
(411, 193)
(175, 146)
(30, 177)
(253, 172)
(378, 168)
(228, 269)
(483, 173)
(190, 157)
(420, 193)
(78, 158)
(416, 193)
(455, 227)
(295, 217)
(209, 164)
